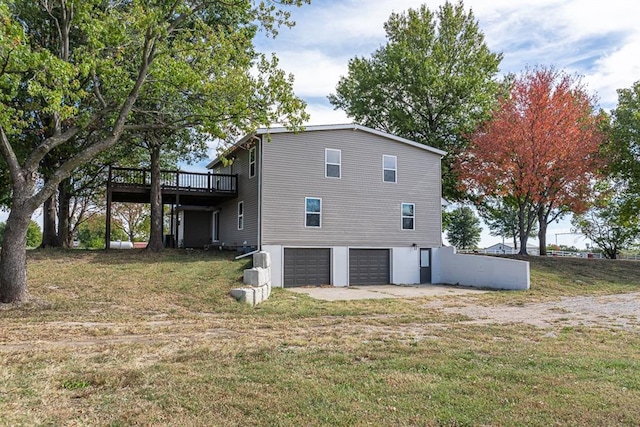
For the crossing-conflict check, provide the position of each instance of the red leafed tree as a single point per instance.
(540, 147)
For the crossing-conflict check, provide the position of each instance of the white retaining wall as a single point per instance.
(478, 271)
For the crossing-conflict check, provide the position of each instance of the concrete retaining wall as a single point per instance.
(478, 271)
(258, 280)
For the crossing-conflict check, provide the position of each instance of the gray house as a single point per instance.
(333, 205)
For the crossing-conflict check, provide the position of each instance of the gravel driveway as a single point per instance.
(619, 311)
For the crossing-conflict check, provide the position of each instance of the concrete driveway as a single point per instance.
(333, 293)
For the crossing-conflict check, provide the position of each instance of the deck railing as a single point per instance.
(174, 180)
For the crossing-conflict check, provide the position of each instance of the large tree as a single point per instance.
(624, 147)
(540, 148)
(608, 223)
(463, 229)
(165, 148)
(81, 67)
(432, 82)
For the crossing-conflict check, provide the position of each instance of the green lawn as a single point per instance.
(130, 338)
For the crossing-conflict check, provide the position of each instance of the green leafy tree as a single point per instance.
(464, 228)
(624, 147)
(34, 234)
(609, 225)
(133, 219)
(163, 147)
(75, 72)
(433, 81)
(91, 233)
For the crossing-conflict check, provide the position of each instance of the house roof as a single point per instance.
(314, 128)
(504, 245)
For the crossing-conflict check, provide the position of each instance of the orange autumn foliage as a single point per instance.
(541, 143)
(540, 146)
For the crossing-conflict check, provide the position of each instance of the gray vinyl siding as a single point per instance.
(359, 209)
(247, 193)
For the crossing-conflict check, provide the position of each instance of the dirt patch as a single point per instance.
(618, 311)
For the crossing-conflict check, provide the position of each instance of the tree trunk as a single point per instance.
(65, 239)
(522, 230)
(542, 234)
(49, 235)
(13, 264)
(155, 234)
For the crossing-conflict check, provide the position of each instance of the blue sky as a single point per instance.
(598, 40)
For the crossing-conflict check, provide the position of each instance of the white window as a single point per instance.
(389, 168)
(252, 162)
(313, 212)
(408, 216)
(332, 163)
(240, 215)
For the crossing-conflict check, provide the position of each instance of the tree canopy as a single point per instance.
(608, 224)
(432, 82)
(624, 148)
(463, 229)
(541, 148)
(78, 75)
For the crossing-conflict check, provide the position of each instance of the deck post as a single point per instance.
(107, 231)
(172, 227)
(177, 205)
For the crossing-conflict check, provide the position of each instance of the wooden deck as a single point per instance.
(177, 187)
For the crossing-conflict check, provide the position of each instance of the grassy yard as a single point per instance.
(130, 338)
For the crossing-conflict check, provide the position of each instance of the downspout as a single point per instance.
(259, 172)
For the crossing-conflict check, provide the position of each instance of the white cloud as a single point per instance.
(616, 70)
(600, 40)
(324, 114)
(316, 73)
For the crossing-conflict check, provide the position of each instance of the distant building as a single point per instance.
(499, 248)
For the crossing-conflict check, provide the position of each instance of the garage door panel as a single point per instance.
(369, 266)
(307, 266)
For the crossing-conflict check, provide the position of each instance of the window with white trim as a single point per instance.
(313, 212)
(389, 168)
(240, 215)
(332, 163)
(408, 216)
(252, 162)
